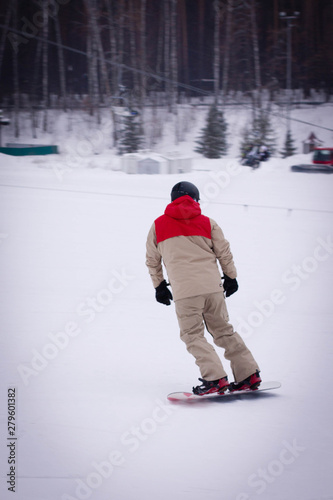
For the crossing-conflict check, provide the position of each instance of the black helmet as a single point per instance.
(183, 188)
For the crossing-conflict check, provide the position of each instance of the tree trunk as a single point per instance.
(226, 60)
(4, 33)
(160, 42)
(115, 69)
(174, 66)
(45, 62)
(16, 77)
(133, 47)
(275, 36)
(33, 101)
(113, 46)
(216, 63)
(94, 74)
(120, 41)
(143, 53)
(167, 31)
(92, 59)
(184, 43)
(62, 71)
(201, 24)
(254, 33)
(97, 43)
(173, 51)
(90, 74)
(116, 17)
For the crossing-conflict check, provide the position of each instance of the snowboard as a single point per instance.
(190, 397)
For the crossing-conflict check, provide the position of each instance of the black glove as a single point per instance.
(230, 285)
(163, 294)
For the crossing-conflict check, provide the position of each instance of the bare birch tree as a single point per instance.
(173, 47)
(116, 70)
(113, 45)
(45, 64)
(97, 42)
(5, 32)
(254, 34)
(160, 42)
(61, 61)
(33, 97)
(174, 65)
(184, 41)
(216, 61)
(16, 76)
(133, 45)
(94, 78)
(143, 52)
(226, 59)
(167, 32)
(201, 25)
(92, 58)
(121, 28)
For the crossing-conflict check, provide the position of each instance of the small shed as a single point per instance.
(149, 166)
(144, 162)
(179, 164)
(129, 163)
(148, 162)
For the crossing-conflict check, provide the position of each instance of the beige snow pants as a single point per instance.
(194, 313)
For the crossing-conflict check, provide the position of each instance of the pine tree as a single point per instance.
(289, 148)
(261, 133)
(212, 142)
(131, 139)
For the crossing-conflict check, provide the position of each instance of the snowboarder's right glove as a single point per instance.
(230, 285)
(163, 294)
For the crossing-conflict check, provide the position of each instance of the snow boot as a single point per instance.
(210, 387)
(252, 383)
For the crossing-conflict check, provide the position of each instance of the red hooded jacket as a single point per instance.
(189, 244)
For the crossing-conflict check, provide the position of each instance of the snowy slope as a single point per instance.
(92, 355)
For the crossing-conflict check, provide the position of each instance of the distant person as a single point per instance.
(263, 153)
(252, 157)
(190, 246)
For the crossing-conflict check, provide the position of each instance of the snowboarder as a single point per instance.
(189, 244)
(252, 158)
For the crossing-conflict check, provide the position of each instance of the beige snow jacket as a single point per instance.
(189, 244)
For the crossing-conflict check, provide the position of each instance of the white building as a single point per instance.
(148, 162)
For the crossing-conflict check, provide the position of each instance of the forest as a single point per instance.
(60, 53)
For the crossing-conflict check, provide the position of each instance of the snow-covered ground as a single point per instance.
(92, 356)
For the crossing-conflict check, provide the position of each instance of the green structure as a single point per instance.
(28, 149)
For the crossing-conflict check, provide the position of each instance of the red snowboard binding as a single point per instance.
(250, 383)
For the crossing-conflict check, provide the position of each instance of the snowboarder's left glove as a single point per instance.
(230, 285)
(163, 294)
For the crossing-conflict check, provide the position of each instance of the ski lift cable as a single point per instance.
(147, 73)
(126, 195)
(279, 115)
(111, 63)
(302, 121)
